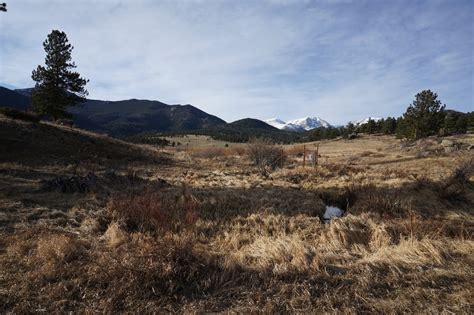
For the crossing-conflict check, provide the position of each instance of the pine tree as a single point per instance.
(461, 124)
(389, 126)
(371, 126)
(57, 86)
(450, 123)
(470, 121)
(350, 128)
(424, 116)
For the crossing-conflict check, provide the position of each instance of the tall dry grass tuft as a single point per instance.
(408, 254)
(152, 210)
(280, 255)
(59, 249)
(355, 232)
(115, 235)
(387, 202)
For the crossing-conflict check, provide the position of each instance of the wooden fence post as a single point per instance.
(281, 159)
(304, 156)
(317, 155)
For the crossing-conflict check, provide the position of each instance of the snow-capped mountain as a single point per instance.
(309, 123)
(364, 120)
(275, 122)
(300, 124)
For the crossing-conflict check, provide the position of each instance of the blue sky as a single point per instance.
(341, 60)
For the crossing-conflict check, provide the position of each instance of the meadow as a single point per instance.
(89, 223)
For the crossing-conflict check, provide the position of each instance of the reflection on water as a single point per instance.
(332, 212)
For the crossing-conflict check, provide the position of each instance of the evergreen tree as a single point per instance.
(57, 86)
(402, 130)
(449, 125)
(350, 128)
(470, 121)
(424, 116)
(371, 126)
(461, 124)
(389, 126)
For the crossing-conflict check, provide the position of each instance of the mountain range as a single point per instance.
(123, 118)
(133, 116)
(364, 120)
(300, 125)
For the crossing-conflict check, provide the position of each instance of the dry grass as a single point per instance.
(207, 152)
(220, 238)
(149, 210)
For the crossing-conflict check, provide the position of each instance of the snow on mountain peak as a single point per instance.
(275, 122)
(309, 123)
(301, 124)
(364, 120)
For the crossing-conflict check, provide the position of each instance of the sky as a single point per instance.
(338, 59)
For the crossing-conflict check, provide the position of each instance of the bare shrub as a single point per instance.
(265, 155)
(59, 249)
(151, 210)
(454, 188)
(296, 150)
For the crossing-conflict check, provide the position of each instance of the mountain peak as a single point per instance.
(300, 124)
(362, 121)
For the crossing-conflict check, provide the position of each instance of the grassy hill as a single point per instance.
(48, 144)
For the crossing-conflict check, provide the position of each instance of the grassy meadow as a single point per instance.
(89, 224)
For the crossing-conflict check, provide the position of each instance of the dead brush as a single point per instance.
(152, 210)
(237, 150)
(265, 155)
(388, 202)
(59, 249)
(296, 150)
(454, 188)
(207, 152)
(334, 169)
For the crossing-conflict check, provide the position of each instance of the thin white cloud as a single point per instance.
(340, 60)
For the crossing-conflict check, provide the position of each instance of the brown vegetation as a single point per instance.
(207, 234)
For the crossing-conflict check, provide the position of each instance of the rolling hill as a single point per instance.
(127, 117)
(10, 98)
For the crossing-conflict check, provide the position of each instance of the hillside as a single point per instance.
(48, 144)
(10, 98)
(251, 123)
(127, 117)
(244, 129)
(137, 116)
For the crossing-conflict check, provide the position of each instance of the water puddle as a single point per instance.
(332, 212)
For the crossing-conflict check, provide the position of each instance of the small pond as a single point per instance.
(332, 212)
